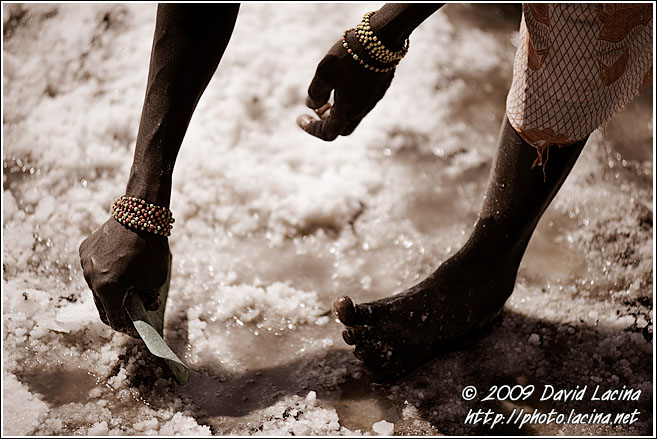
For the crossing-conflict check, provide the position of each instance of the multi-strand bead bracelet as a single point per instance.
(360, 60)
(373, 47)
(138, 214)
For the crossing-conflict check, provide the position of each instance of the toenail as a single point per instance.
(346, 310)
(348, 336)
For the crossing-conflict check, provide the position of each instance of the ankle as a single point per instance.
(496, 244)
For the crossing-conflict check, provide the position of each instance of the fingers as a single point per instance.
(111, 298)
(114, 261)
(322, 83)
(150, 298)
(83, 248)
(87, 267)
(327, 129)
(103, 304)
(319, 92)
(351, 127)
(323, 111)
(129, 329)
(109, 303)
(101, 309)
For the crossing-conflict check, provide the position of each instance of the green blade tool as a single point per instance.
(150, 326)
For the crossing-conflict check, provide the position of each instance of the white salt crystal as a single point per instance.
(311, 398)
(383, 428)
(74, 317)
(44, 209)
(98, 429)
(23, 408)
(300, 429)
(534, 339)
(9, 206)
(150, 424)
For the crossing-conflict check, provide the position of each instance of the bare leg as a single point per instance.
(395, 335)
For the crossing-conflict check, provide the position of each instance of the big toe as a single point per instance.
(346, 311)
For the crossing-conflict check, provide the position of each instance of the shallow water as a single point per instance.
(59, 387)
(295, 223)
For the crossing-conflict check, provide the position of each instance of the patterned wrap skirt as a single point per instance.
(576, 65)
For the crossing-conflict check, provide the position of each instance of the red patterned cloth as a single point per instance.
(577, 65)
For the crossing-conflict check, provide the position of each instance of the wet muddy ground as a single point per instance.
(272, 225)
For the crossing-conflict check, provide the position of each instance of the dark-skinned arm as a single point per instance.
(188, 44)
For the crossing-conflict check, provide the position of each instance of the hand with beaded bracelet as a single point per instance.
(130, 251)
(359, 68)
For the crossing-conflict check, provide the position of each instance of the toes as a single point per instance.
(351, 336)
(348, 337)
(361, 353)
(380, 361)
(374, 362)
(348, 313)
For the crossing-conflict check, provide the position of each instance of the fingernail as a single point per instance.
(304, 121)
(154, 305)
(322, 111)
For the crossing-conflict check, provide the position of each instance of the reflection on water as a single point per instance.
(383, 252)
(61, 386)
(550, 258)
(359, 407)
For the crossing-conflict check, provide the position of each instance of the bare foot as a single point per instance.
(395, 335)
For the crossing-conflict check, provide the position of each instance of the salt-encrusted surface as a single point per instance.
(273, 224)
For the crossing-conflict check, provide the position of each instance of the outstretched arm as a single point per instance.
(188, 44)
(359, 80)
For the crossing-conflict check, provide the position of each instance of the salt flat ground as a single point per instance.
(273, 224)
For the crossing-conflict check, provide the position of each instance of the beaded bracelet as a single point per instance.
(138, 214)
(360, 60)
(374, 46)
